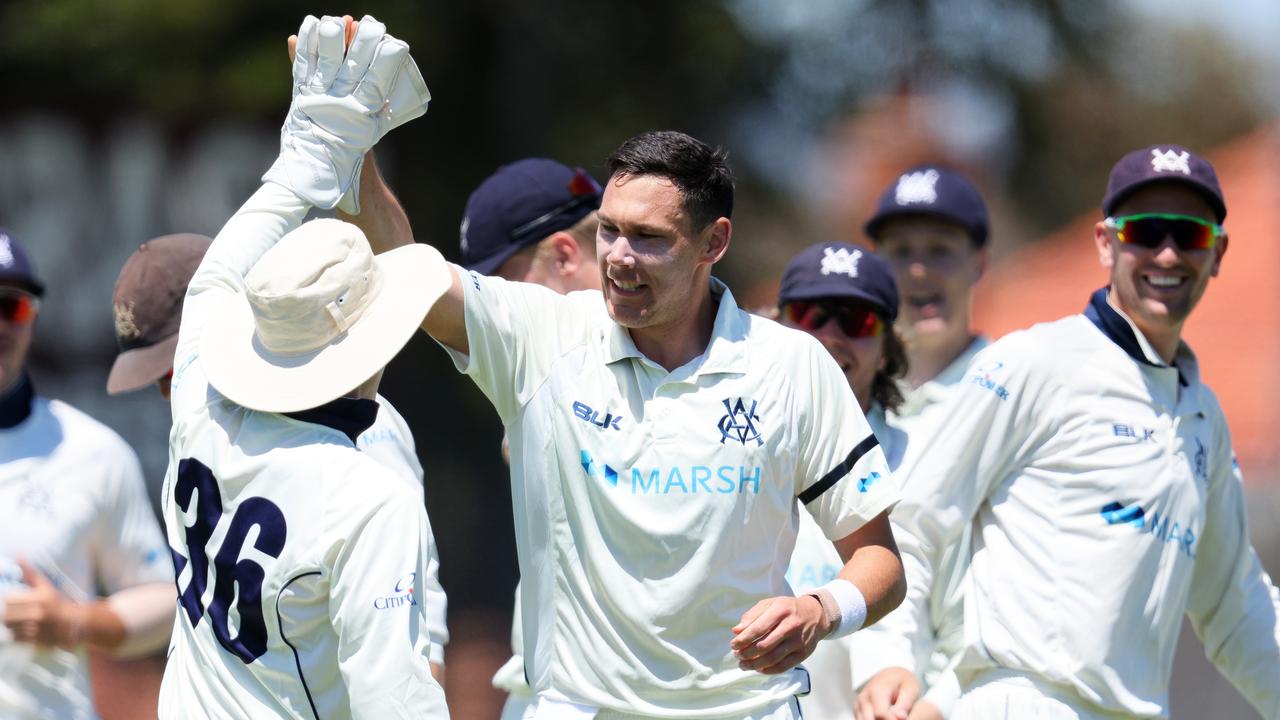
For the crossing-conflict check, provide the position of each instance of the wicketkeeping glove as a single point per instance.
(343, 103)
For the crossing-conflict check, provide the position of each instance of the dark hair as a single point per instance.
(701, 173)
(884, 386)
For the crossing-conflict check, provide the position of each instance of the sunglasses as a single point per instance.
(585, 191)
(854, 320)
(1149, 230)
(17, 307)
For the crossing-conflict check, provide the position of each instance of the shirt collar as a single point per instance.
(349, 416)
(915, 400)
(725, 353)
(15, 405)
(1120, 329)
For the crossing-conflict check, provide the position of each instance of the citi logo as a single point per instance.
(584, 412)
(402, 594)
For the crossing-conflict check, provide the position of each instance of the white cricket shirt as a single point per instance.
(390, 442)
(654, 508)
(299, 557)
(833, 694)
(1107, 504)
(74, 505)
(919, 419)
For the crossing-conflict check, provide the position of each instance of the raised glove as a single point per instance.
(343, 103)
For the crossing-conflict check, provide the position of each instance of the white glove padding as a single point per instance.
(343, 103)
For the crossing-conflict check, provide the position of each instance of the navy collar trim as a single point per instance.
(349, 416)
(1118, 330)
(15, 406)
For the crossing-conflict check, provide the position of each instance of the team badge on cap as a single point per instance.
(917, 187)
(6, 251)
(840, 261)
(1170, 161)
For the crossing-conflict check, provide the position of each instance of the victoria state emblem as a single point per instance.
(739, 422)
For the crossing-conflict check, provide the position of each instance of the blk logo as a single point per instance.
(584, 412)
(739, 422)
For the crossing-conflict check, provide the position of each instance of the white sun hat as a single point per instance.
(319, 315)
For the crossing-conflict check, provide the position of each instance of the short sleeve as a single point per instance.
(842, 476)
(130, 549)
(516, 331)
(378, 610)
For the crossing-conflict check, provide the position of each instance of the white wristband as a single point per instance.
(853, 607)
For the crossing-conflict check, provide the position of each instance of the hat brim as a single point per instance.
(977, 234)
(820, 292)
(250, 375)
(139, 367)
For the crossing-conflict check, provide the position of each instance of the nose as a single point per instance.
(917, 268)
(619, 254)
(1167, 252)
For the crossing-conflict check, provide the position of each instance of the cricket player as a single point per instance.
(147, 305)
(845, 297)
(74, 523)
(533, 220)
(660, 437)
(1097, 471)
(931, 225)
(301, 559)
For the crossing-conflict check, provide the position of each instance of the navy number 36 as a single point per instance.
(229, 572)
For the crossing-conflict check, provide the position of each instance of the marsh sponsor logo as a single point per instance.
(401, 594)
(676, 480)
(982, 377)
(1153, 523)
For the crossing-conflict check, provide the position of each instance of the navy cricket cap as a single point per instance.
(521, 204)
(840, 270)
(1160, 164)
(16, 267)
(934, 191)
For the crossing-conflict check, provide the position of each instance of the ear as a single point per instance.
(1106, 250)
(1219, 251)
(717, 235)
(565, 253)
(980, 258)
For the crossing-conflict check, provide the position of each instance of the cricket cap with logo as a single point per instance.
(1163, 164)
(147, 306)
(839, 270)
(16, 268)
(519, 205)
(319, 314)
(934, 191)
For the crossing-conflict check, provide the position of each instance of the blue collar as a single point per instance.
(349, 416)
(1119, 330)
(15, 406)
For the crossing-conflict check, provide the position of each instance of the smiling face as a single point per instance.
(859, 358)
(1159, 287)
(654, 265)
(935, 264)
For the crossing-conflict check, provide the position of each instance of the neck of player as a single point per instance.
(928, 356)
(676, 343)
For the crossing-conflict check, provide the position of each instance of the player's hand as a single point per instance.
(292, 42)
(777, 634)
(345, 100)
(889, 695)
(42, 615)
